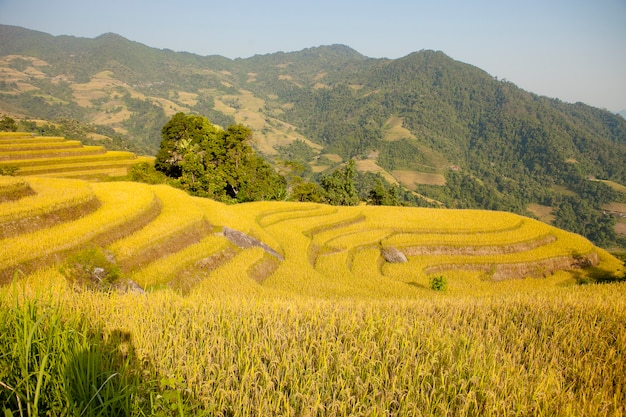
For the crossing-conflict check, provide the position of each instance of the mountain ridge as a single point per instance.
(445, 129)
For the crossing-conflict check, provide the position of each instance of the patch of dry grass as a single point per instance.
(410, 178)
(543, 213)
(394, 129)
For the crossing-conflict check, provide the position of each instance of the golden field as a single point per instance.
(307, 319)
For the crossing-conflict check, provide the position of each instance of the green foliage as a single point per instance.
(8, 124)
(220, 164)
(438, 283)
(381, 195)
(92, 269)
(146, 173)
(307, 191)
(578, 216)
(297, 151)
(52, 363)
(8, 170)
(146, 121)
(339, 186)
(401, 154)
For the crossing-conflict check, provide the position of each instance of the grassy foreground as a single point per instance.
(557, 352)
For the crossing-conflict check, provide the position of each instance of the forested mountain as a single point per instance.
(442, 132)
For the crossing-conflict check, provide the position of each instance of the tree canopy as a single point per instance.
(210, 162)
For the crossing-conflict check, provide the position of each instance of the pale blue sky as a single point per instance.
(574, 50)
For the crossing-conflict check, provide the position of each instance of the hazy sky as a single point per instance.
(574, 50)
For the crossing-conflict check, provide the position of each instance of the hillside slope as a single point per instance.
(444, 129)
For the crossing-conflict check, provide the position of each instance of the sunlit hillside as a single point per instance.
(161, 237)
(284, 308)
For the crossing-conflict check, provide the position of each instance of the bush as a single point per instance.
(438, 283)
(8, 170)
(146, 173)
(91, 269)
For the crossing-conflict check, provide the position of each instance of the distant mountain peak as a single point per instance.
(111, 37)
(336, 50)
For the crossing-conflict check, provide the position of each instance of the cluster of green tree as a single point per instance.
(345, 186)
(580, 217)
(41, 107)
(8, 124)
(402, 154)
(145, 122)
(297, 151)
(220, 164)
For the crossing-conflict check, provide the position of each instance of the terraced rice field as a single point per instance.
(277, 308)
(160, 235)
(59, 157)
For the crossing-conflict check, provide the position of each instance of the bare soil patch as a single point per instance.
(393, 255)
(543, 213)
(395, 129)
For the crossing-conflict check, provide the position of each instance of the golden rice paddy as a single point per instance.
(332, 328)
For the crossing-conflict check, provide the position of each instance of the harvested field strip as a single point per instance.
(186, 279)
(48, 219)
(165, 269)
(475, 250)
(305, 211)
(125, 206)
(111, 155)
(541, 252)
(516, 270)
(51, 153)
(263, 268)
(168, 225)
(12, 189)
(35, 146)
(524, 261)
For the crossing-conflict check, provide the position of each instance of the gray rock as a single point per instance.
(393, 255)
